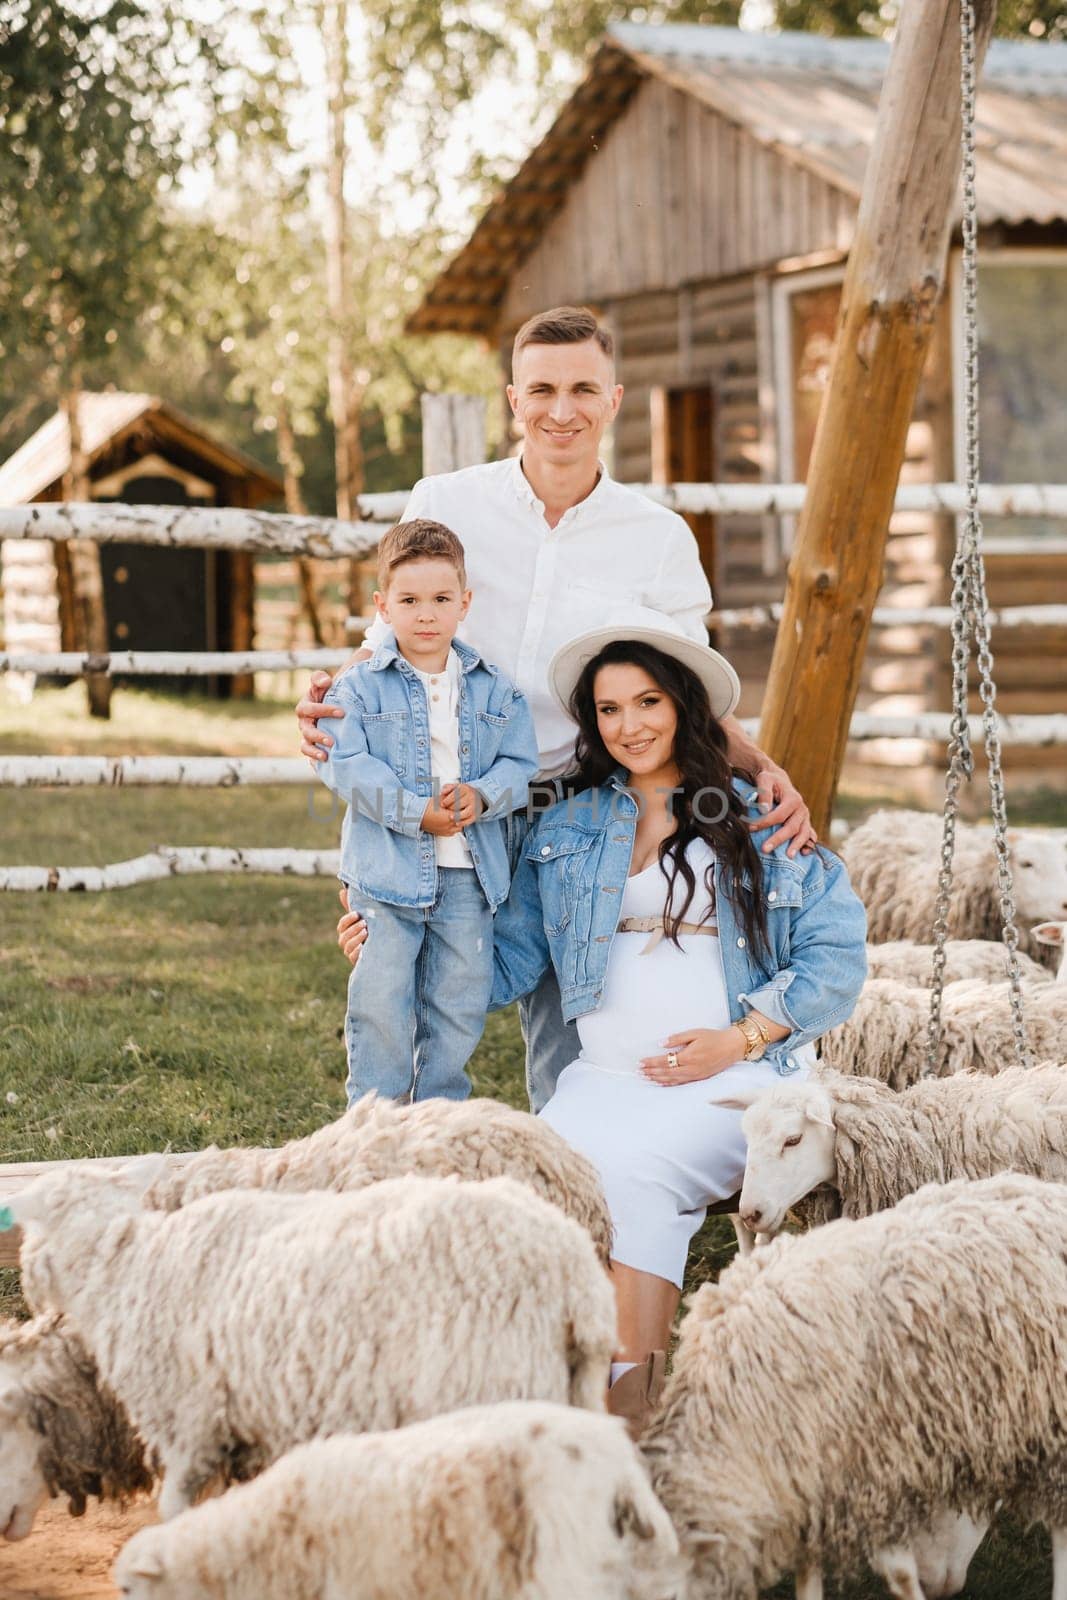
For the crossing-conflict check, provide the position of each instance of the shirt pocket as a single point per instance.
(560, 859)
(389, 738)
(783, 888)
(491, 728)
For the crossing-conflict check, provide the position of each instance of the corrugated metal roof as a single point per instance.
(816, 99)
(40, 463)
(811, 98)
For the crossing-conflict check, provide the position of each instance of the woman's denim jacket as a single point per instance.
(380, 764)
(564, 908)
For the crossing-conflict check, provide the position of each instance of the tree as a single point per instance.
(1037, 19)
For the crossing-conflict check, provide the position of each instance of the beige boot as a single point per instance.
(636, 1394)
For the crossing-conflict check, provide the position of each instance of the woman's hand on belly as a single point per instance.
(694, 1054)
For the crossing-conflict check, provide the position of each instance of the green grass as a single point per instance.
(210, 1009)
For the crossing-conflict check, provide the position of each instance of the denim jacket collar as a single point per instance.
(387, 654)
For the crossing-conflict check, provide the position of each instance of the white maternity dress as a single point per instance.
(663, 1152)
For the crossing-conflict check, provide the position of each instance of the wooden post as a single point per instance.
(453, 432)
(894, 277)
(84, 572)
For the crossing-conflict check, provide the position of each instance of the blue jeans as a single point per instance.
(551, 1043)
(418, 995)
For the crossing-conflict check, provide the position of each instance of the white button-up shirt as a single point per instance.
(536, 587)
(442, 701)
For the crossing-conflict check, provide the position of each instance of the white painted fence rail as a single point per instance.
(222, 527)
(172, 861)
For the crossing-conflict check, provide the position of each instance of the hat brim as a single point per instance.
(713, 670)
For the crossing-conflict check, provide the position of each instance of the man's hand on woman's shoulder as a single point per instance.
(785, 810)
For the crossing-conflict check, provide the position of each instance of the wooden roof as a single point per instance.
(811, 99)
(37, 467)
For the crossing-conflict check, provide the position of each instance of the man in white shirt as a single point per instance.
(554, 547)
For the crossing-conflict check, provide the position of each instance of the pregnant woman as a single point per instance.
(683, 953)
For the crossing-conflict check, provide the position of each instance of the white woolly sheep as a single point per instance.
(907, 962)
(521, 1501)
(835, 1387)
(842, 1146)
(247, 1323)
(61, 1431)
(885, 1037)
(894, 859)
(377, 1139)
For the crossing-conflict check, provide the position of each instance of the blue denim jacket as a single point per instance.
(564, 908)
(380, 764)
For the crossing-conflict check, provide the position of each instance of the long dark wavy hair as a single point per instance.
(705, 777)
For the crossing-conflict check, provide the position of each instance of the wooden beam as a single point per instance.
(892, 283)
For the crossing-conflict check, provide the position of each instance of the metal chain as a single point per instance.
(970, 614)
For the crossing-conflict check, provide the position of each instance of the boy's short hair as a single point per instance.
(563, 325)
(419, 540)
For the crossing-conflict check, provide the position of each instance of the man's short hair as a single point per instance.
(419, 540)
(563, 325)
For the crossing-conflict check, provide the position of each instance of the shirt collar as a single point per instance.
(462, 657)
(524, 491)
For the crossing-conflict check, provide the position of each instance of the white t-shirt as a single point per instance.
(536, 587)
(442, 700)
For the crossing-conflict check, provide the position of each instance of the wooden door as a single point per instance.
(683, 451)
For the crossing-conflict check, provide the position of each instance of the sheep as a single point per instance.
(378, 1139)
(1053, 937)
(61, 1431)
(911, 963)
(844, 1146)
(885, 1037)
(493, 1503)
(894, 859)
(249, 1322)
(834, 1388)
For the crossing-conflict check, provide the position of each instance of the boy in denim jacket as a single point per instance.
(435, 748)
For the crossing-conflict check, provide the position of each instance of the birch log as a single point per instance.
(172, 663)
(892, 284)
(172, 861)
(205, 527)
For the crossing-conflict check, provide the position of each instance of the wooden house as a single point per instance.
(699, 189)
(143, 451)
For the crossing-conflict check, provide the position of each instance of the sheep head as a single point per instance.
(23, 1489)
(790, 1135)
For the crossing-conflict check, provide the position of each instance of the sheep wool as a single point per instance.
(249, 1322)
(378, 1139)
(61, 1431)
(893, 860)
(883, 1146)
(885, 1037)
(908, 962)
(833, 1389)
(499, 1502)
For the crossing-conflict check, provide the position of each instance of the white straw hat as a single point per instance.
(650, 627)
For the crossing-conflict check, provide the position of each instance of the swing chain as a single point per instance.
(970, 614)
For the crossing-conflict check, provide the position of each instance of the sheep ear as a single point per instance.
(146, 1565)
(817, 1116)
(29, 1205)
(1049, 933)
(12, 1403)
(740, 1100)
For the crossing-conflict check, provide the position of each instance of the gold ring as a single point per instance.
(672, 1060)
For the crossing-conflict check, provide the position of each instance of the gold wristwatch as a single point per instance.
(756, 1039)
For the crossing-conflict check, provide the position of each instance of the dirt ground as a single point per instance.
(70, 1558)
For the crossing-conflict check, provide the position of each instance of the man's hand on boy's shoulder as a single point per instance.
(315, 742)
